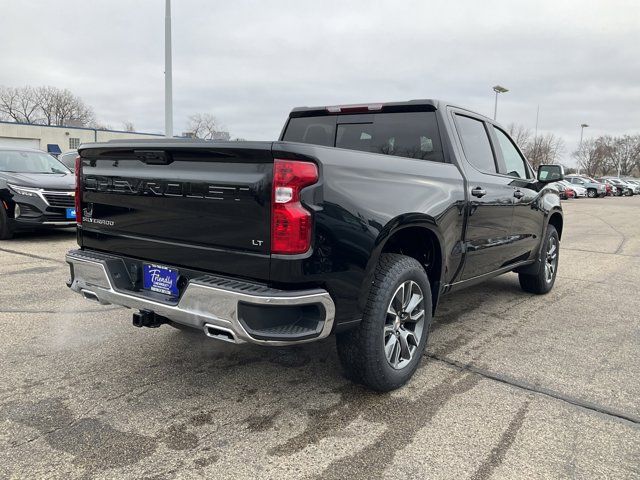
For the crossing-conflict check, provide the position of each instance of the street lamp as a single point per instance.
(168, 87)
(498, 89)
(582, 127)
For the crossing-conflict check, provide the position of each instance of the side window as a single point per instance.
(408, 134)
(475, 143)
(516, 166)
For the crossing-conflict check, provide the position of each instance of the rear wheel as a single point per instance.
(6, 232)
(591, 193)
(542, 282)
(384, 351)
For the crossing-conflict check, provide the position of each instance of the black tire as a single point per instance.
(592, 193)
(540, 283)
(362, 350)
(5, 230)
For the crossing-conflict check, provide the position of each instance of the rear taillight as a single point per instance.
(78, 190)
(290, 221)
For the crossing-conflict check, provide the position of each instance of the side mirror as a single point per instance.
(550, 173)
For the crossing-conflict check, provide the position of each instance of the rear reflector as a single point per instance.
(290, 222)
(78, 190)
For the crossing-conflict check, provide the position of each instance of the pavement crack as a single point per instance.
(32, 255)
(610, 412)
(74, 312)
(499, 452)
(624, 237)
(599, 251)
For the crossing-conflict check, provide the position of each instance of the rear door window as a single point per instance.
(403, 134)
(475, 143)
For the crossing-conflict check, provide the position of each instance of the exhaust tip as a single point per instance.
(219, 333)
(90, 295)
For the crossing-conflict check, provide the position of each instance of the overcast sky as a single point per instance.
(250, 62)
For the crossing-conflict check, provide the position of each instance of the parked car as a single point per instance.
(611, 189)
(633, 184)
(355, 223)
(36, 191)
(594, 189)
(620, 188)
(579, 190)
(69, 159)
(627, 189)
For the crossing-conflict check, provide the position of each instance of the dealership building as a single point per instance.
(56, 140)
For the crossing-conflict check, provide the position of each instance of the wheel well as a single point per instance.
(423, 245)
(556, 221)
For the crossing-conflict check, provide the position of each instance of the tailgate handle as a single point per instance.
(153, 157)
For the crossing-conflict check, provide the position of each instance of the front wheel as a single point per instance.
(542, 282)
(591, 193)
(5, 229)
(384, 351)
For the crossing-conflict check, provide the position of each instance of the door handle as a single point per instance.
(478, 192)
(518, 194)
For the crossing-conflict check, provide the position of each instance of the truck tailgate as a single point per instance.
(204, 206)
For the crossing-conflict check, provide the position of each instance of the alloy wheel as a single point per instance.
(404, 324)
(551, 263)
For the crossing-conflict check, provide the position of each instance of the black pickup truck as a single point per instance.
(354, 223)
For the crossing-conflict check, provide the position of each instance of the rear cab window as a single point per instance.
(402, 134)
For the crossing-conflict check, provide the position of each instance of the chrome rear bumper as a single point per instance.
(208, 303)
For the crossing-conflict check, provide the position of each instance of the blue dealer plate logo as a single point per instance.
(160, 279)
(71, 213)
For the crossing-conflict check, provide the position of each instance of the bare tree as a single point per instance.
(544, 149)
(45, 106)
(19, 104)
(622, 153)
(591, 156)
(520, 134)
(99, 125)
(541, 149)
(128, 126)
(205, 126)
(64, 108)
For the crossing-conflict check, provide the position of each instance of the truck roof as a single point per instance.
(418, 105)
(411, 105)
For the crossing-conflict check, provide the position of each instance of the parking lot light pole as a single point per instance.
(582, 127)
(168, 87)
(498, 89)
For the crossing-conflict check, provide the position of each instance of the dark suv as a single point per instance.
(36, 191)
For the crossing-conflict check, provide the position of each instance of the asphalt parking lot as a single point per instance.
(513, 385)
